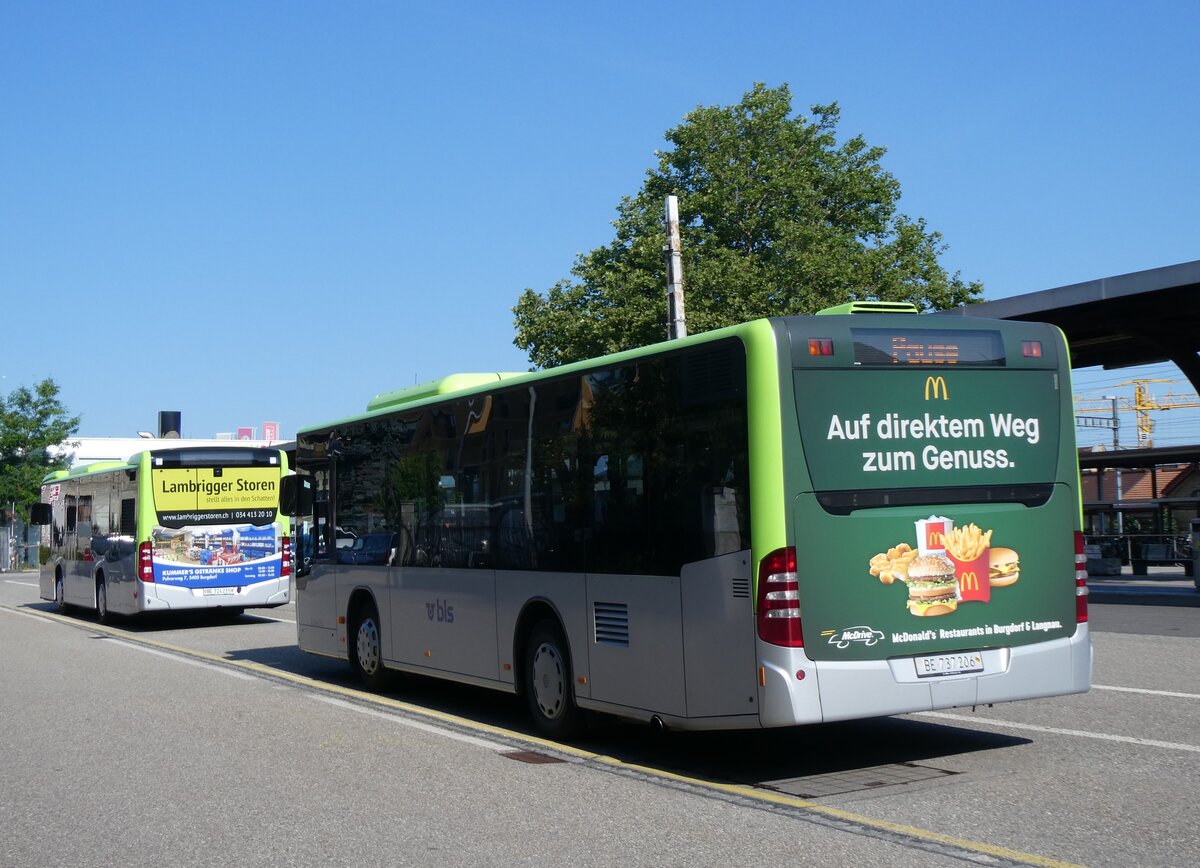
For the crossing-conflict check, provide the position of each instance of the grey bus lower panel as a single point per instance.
(678, 648)
(868, 689)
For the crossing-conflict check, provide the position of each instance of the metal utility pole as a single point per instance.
(676, 318)
(1116, 429)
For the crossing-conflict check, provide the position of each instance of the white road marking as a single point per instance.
(1031, 727)
(26, 584)
(212, 667)
(415, 724)
(1147, 692)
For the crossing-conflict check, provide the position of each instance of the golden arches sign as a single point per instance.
(937, 387)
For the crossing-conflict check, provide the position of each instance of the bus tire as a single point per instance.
(366, 647)
(102, 613)
(60, 601)
(549, 692)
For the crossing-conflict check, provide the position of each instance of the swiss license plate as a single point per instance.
(212, 592)
(937, 665)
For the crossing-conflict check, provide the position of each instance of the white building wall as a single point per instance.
(87, 450)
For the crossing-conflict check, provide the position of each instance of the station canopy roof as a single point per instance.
(1118, 322)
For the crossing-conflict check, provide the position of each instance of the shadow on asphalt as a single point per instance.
(750, 757)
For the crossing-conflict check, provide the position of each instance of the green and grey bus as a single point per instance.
(787, 521)
(169, 529)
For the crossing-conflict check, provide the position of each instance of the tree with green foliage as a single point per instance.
(777, 218)
(31, 422)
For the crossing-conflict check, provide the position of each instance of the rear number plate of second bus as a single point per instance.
(937, 665)
(215, 592)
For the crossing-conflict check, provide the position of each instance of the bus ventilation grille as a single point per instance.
(612, 623)
(741, 587)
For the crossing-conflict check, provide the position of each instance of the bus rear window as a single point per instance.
(920, 347)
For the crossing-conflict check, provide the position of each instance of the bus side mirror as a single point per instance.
(295, 495)
(39, 513)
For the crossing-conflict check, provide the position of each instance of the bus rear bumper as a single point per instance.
(275, 592)
(845, 691)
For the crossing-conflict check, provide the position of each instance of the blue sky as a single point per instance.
(274, 211)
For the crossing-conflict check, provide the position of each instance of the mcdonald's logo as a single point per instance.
(973, 586)
(937, 539)
(936, 386)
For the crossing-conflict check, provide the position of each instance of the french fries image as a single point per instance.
(893, 564)
(967, 543)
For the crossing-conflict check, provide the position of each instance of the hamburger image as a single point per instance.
(932, 588)
(1004, 567)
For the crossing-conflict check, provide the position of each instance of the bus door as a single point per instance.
(119, 569)
(316, 588)
(78, 585)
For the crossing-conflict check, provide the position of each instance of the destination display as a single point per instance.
(927, 347)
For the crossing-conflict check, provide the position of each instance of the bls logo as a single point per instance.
(972, 587)
(937, 387)
(441, 610)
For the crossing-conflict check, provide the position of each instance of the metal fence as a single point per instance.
(1141, 551)
(17, 551)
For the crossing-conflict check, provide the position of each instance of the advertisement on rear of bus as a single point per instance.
(216, 555)
(916, 540)
(215, 495)
(216, 527)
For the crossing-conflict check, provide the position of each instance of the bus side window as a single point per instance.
(320, 531)
(321, 542)
(128, 517)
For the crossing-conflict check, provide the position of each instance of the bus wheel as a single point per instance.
(102, 613)
(366, 648)
(60, 602)
(548, 689)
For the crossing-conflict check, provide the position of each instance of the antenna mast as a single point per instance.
(676, 319)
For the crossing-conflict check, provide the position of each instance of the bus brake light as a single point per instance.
(146, 562)
(1031, 349)
(779, 599)
(1081, 588)
(285, 551)
(820, 347)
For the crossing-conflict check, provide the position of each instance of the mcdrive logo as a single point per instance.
(842, 638)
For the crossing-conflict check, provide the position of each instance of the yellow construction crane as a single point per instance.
(1143, 404)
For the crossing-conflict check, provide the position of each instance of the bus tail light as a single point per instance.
(1081, 588)
(146, 562)
(779, 599)
(285, 551)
